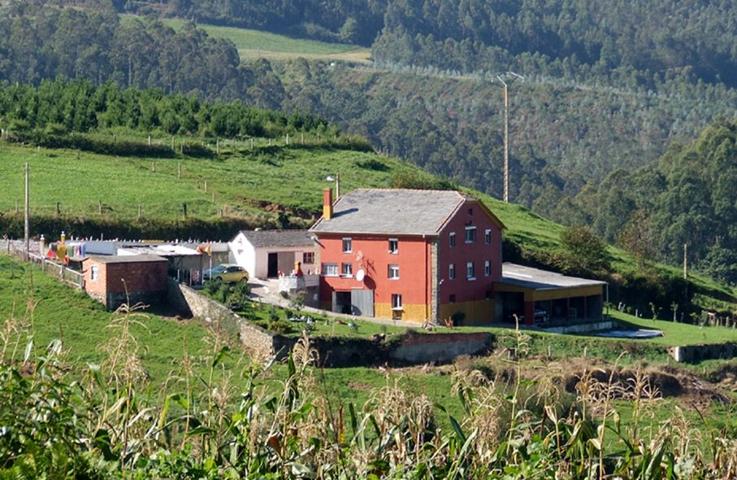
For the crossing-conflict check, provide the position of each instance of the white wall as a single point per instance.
(256, 260)
(244, 254)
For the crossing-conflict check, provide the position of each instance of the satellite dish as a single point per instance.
(360, 275)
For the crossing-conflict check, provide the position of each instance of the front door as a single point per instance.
(273, 271)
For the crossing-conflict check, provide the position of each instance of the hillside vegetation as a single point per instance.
(571, 127)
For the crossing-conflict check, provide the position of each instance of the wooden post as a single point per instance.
(99, 207)
(153, 166)
(172, 144)
(149, 140)
(26, 211)
(179, 169)
(58, 208)
(213, 197)
(251, 143)
(303, 138)
(286, 140)
(184, 209)
(205, 185)
(140, 211)
(217, 146)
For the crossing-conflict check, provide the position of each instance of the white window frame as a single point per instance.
(470, 229)
(397, 304)
(346, 272)
(310, 255)
(487, 268)
(394, 251)
(94, 273)
(470, 271)
(452, 271)
(349, 240)
(487, 236)
(391, 269)
(330, 266)
(452, 239)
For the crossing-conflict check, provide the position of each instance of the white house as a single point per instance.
(266, 253)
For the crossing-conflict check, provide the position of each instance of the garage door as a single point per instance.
(362, 302)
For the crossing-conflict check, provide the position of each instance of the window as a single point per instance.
(470, 234)
(452, 239)
(470, 271)
(396, 301)
(94, 273)
(330, 269)
(487, 236)
(452, 271)
(308, 258)
(487, 268)
(347, 245)
(393, 272)
(393, 246)
(346, 270)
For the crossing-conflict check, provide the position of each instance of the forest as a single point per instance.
(606, 89)
(76, 107)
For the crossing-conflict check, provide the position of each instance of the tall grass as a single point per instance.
(56, 422)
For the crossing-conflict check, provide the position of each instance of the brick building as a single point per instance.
(114, 280)
(415, 255)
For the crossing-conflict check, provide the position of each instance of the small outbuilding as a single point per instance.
(267, 253)
(114, 280)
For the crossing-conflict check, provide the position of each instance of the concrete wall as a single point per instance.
(440, 347)
(697, 353)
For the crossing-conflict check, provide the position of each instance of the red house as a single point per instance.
(414, 255)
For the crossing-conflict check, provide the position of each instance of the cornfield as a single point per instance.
(56, 422)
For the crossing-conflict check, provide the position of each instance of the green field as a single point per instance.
(252, 44)
(250, 181)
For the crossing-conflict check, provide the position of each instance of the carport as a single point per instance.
(544, 297)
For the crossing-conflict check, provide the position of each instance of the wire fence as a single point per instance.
(53, 268)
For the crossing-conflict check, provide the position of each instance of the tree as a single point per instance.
(583, 252)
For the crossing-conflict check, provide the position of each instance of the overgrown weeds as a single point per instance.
(56, 423)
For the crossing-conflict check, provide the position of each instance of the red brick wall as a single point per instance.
(464, 290)
(140, 278)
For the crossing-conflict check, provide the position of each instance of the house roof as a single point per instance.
(393, 212)
(278, 238)
(536, 279)
(125, 258)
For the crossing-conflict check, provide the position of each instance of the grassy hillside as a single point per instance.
(253, 44)
(262, 184)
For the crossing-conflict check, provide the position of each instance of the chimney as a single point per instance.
(327, 203)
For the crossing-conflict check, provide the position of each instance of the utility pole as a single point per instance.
(26, 212)
(502, 79)
(685, 261)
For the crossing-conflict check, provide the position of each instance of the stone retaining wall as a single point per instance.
(408, 349)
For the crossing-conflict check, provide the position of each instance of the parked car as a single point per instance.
(227, 273)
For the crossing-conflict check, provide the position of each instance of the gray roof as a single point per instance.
(534, 278)
(391, 212)
(126, 258)
(278, 238)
